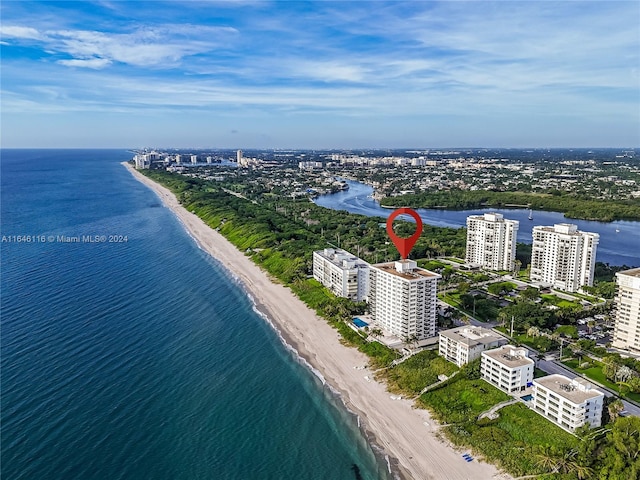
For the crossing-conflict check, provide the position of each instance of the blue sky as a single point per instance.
(329, 74)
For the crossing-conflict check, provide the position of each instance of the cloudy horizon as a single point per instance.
(320, 74)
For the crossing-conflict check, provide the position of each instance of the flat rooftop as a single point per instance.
(338, 256)
(510, 356)
(471, 335)
(412, 274)
(576, 391)
(634, 272)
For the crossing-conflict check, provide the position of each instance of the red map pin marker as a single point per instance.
(404, 245)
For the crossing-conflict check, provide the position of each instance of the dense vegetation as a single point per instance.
(525, 443)
(571, 206)
(281, 236)
(281, 233)
(418, 372)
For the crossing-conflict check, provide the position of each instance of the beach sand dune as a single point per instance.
(406, 434)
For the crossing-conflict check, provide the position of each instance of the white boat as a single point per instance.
(530, 214)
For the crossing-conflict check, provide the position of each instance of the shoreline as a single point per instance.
(406, 436)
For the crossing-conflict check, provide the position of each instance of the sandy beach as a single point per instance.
(406, 434)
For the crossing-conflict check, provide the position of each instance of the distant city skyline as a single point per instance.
(324, 75)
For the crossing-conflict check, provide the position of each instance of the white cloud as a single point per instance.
(161, 45)
(14, 31)
(95, 63)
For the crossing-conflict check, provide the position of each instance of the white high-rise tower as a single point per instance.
(491, 241)
(563, 257)
(402, 298)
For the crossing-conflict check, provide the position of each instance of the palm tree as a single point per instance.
(552, 460)
(623, 374)
(614, 409)
(533, 332)
(414, 340)
(375, 332)
(547, 458)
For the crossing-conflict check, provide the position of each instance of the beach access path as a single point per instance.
(406, 434)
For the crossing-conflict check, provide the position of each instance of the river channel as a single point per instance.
(619, 240)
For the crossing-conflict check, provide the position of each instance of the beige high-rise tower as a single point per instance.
(626, 334)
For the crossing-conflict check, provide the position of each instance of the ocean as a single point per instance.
(129, 353)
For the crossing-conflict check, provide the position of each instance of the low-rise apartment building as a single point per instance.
(509, 368)
(568, 403)
(462, 345)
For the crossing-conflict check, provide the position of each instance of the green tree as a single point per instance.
(620, 455)
(614, 408)
(530, 293)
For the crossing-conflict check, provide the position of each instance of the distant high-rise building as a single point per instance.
(491, 241)
(341, 272)
(142, 161)
(626, 334)
(239, 156)
(194, 159)
(402, 299)
(563, 257)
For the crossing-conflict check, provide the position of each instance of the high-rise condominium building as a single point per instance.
(491, 241)
(563, 257)
(402, 298)
(341, 272)
(626, 335)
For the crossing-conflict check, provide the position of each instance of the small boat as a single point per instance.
(530, 214)
(617, 230)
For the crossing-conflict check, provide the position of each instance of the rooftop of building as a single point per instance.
(471, 336)
(492, 217)
(577, 390)
(413, 273)
(510, 356)
(564, 229)
(337, 256)
(633, 272)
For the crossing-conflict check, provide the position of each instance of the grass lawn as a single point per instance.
(432, 264)
(418, 372)
(511, 440)
(456, 260)
(462, 400)
(525, 425)
(452, 299)
(559, 302)
(483, 313)
(542, 344)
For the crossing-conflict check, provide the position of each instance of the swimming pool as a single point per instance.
(359, 323)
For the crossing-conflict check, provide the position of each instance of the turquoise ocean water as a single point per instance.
(143, 358)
